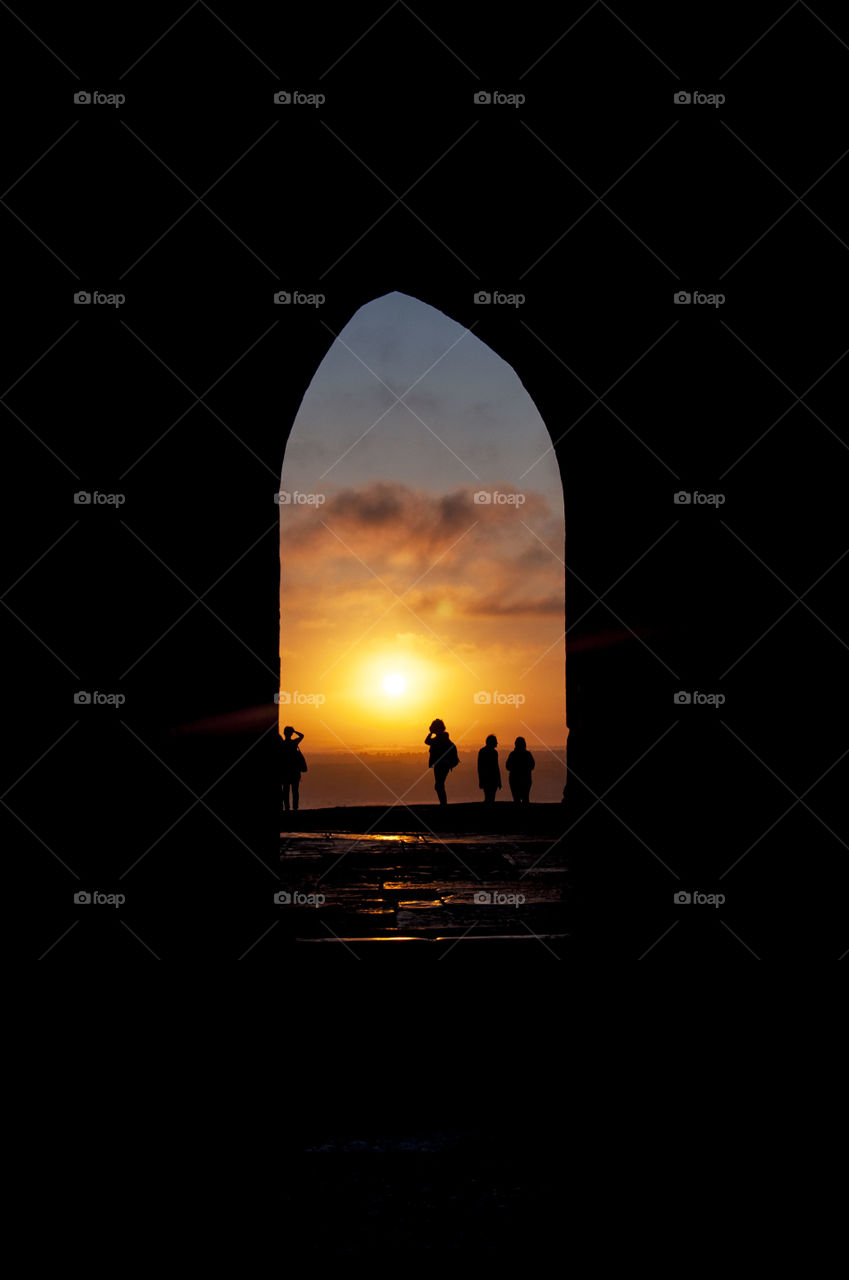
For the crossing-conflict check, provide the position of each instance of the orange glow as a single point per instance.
(421, 543)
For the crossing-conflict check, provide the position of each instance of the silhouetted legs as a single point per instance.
(440, 773)
(294, 785)
(489, 795)
(521, 791)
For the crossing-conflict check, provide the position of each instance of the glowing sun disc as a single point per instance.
(394, 684)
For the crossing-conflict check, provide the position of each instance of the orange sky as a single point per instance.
(402, 597)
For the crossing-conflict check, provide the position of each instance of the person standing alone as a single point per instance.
(293, 765)
(489, 774)
(442, 758)
(520, 766)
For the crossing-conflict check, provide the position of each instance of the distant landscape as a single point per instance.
(377, 777)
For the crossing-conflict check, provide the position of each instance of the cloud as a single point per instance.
(446, 555)
(500, 608)
(416, 516)
(374, 507)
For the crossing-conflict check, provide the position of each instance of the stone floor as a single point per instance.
(360, 886)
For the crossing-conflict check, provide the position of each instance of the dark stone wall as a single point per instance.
(598, 199)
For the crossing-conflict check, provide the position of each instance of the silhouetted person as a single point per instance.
(520, 765)
(443, 757)
(489, 774)
(293, 764)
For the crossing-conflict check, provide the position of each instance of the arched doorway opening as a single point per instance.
(422, 562)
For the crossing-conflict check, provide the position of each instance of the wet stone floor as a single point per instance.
(423, 887)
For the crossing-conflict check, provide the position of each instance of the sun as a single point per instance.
(394, 684)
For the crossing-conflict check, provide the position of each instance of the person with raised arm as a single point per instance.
(292, 766)
(442, 758)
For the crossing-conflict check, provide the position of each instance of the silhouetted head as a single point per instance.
(492, 741)
(437, 726)
(520, 744)
(288, 731)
